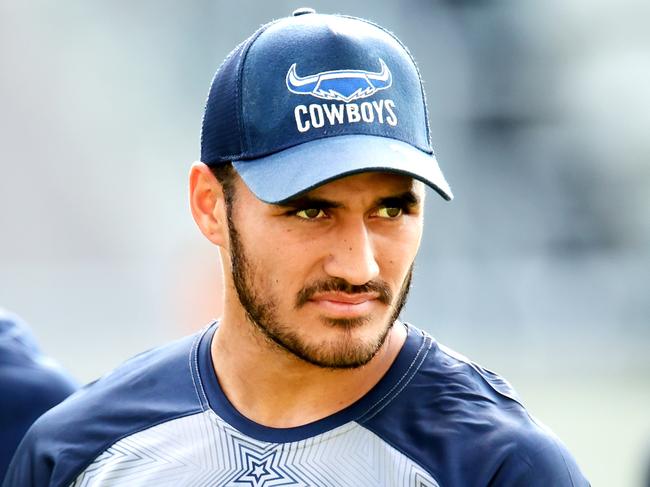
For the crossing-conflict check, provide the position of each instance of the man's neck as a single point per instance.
(274, 388)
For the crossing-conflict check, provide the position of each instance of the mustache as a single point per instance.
(336, 284)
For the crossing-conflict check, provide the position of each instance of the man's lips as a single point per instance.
(343, 304)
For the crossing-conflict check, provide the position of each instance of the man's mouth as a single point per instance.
(344, 305)
(337, 290)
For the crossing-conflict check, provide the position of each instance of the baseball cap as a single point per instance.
(313, 97)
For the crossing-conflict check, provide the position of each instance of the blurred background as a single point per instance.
(539, 269)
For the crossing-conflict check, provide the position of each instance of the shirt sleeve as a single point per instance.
(539, 461)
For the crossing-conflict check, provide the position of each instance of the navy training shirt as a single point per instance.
(434, 419)
(30, 384)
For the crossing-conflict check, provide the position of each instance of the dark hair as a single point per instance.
(226, 175)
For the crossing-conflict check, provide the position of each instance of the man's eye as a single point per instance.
(310, 213)
(389, 212)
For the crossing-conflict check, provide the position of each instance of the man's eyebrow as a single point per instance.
(306, 201)
(405, 199)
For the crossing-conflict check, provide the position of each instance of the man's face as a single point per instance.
(326, 275)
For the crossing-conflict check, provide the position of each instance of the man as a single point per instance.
(30, 384)
(315, 148)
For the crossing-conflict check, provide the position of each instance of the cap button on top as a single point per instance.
(303, 11)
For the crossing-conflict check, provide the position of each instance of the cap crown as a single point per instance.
(308, 77)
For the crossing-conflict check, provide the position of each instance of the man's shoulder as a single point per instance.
(533, 455)
(467, 423)
(523, 450)
(451, 379)
(151, 388)
(159, 379)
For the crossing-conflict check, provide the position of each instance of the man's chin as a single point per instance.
(351, 348)
(347, 324)
(336, 360)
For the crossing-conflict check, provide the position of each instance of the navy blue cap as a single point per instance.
(311, 98)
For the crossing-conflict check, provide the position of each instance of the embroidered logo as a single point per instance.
(343, 85)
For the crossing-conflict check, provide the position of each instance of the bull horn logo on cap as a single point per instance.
(342, 85)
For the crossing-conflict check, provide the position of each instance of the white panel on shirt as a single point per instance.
(203, 450)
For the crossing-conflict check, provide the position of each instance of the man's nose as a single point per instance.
(352, 255)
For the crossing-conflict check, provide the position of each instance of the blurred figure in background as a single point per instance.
(30, 384)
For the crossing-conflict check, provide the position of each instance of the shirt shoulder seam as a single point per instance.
(69, 480)
(399, 385)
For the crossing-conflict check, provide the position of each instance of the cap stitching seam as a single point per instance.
(415, 64)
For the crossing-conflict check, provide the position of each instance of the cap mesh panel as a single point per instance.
(220, 135)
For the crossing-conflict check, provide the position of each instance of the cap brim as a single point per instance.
(296, 170)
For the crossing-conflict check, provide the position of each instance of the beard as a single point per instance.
(343, 353)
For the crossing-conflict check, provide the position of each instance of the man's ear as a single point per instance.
(208, 204)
